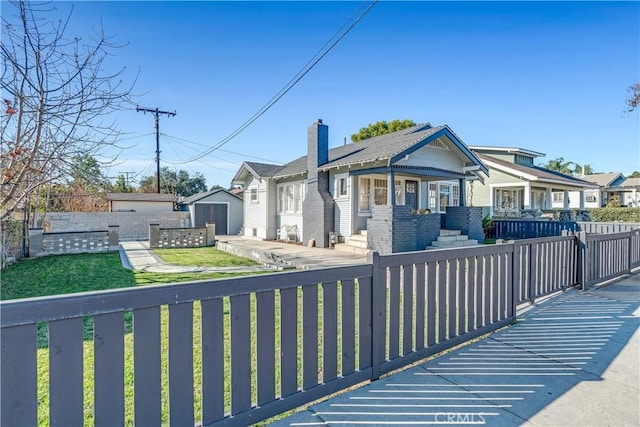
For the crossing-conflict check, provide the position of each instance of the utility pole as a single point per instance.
(156, 116)
(126, 177)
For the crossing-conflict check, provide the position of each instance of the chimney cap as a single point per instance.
(319, 121)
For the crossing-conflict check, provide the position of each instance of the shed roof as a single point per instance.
(141, 197)
(199, 196)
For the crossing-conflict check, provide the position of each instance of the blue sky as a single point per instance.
(546, 76)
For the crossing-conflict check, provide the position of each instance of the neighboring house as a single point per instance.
(607, 186)
(334, 191)
(141, 202)
(515, 184)
(628, 192)
(219, 206)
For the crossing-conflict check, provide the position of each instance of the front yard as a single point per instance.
(64, 274)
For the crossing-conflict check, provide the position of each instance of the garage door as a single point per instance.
(212, 212)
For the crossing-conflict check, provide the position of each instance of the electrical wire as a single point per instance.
(324, 50)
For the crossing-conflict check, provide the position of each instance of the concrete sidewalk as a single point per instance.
(573, 360)
(136, 255)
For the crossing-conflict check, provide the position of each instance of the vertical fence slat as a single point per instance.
(66, 405)
(288, 341)
(240, 354)
(330, 331)
(212, 360)
(181, 364)
(348, 327)
(420, 305)
(365, 325)
(146, 356)
(432, 290)
(504, 260)
(394, 312)
(265, 319)
(463, 265)
(19, 376)
(486, 290)
(452, 297)
(407, 308)
(533, 262)
(495, 287)
(309, 336)
(471, 297)
(442, 300)
(479, 298)
(108, 366)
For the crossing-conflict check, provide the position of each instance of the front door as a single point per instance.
(411, 194)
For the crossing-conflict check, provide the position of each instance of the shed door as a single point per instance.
(213, 212)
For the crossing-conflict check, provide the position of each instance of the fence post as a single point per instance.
(378, 313)
(581, 259)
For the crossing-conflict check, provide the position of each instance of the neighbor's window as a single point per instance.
(558, 197)
(253, 198)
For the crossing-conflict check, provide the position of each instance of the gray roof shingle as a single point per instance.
(537, 171)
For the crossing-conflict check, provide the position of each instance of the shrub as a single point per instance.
(611, 214)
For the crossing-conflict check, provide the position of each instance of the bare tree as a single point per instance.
(634, 97)
(58, 96)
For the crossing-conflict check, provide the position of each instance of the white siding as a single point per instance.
(343, 204)
(256, 213)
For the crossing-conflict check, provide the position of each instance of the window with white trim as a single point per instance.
(380, 191)
(253, 195)
(443, 194)
(290, 198)
(399, 193)
(341, 187)
(558, 196)
(364, 197)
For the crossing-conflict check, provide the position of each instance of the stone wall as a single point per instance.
(181, 237)
(73, 242)
(132, 225)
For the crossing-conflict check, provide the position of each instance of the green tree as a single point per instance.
(635, 174)
(121, 185)
(559, 165)
(58, 91)
(634, 97)
(381, 128)
(171, 182)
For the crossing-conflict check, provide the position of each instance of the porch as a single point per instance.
(526, 199)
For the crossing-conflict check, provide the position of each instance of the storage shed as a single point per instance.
(219, 206)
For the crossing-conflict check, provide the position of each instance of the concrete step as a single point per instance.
(444, 232)
(358, 243)
(344, 247)
(460, 237)
(454, 243)
(362, 233)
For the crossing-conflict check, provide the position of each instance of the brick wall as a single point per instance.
(132, 225)
(75, 242)
(394, 229)
(467, 219)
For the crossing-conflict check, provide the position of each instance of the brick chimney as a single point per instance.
(318, 207)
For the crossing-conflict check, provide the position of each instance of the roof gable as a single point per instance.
(603, 179)
(199, 196)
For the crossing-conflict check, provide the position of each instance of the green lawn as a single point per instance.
(63, 274)
(202, 257)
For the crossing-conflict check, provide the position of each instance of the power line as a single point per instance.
(156, 116)
(294, 80)
(220, 149)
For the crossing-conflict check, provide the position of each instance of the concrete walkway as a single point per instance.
(573, 360)
(136, 255)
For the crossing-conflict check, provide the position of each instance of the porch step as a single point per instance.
(444, 232)
(345, 247)
(453, 238)
(454, 244)
(357, 240)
